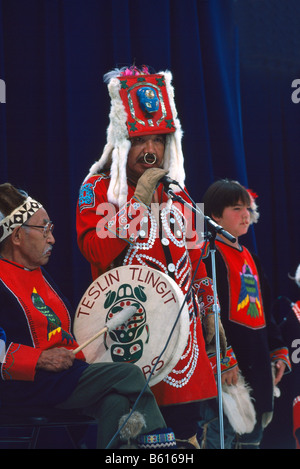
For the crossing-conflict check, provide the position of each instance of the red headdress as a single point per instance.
(141, 104)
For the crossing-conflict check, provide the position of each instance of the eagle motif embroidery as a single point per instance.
(249, 294)
(54, 323)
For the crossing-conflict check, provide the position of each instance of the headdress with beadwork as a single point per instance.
(18, 217)
(141, 104)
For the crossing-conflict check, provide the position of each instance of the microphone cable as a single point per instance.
(282, 320)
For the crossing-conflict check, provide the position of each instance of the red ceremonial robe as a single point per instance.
(33, 317)
(135, 235)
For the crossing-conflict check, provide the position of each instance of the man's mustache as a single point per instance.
(48, 249)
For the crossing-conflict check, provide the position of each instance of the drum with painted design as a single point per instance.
(156, 324)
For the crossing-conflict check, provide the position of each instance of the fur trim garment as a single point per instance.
(238, 406)
(118, 144)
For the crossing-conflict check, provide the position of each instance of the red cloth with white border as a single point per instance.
(47, 318)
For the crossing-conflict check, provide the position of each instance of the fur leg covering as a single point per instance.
(131, 430)
(130, 433)
(238, 406)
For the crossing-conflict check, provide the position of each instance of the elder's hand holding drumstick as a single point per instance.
(59, 359)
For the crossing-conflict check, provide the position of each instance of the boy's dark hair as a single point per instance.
(224, 193)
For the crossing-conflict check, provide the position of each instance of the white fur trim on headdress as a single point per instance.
(18, 217)
(116, 150)
(173, 157)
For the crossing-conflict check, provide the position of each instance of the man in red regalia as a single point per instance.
(125, 217)
(39, 368)
(290, 328)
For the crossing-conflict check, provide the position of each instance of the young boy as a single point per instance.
(244, 299)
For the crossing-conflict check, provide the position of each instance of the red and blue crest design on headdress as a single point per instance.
(146, 102)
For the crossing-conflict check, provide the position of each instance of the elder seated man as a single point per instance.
(40, 368)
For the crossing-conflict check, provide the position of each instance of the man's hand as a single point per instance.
(279, 371)
(147, 183)
(230, 377)
(55, 359)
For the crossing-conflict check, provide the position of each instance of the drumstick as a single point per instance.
(111, 324)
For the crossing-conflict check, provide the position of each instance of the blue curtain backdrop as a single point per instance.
(233, 63)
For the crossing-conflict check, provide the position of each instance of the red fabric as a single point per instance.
(296, 309)
(47, 318)
(161, 121)
(20, 362)
(228, 362)
(93, 211)
(193, 378)
(281, 354)
(296, 418)
(246, 305)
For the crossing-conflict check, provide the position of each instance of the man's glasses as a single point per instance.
(47, 229)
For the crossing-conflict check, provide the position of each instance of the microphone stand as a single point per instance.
(211, 236)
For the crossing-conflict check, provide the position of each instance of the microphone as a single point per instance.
(219, 229)
(166, 181)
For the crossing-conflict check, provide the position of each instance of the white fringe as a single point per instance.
(238, 406)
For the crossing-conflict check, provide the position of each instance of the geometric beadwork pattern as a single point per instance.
(19, 216)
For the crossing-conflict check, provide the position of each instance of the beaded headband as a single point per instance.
(18, 217)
